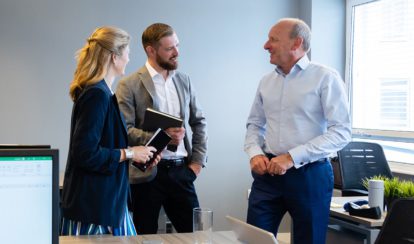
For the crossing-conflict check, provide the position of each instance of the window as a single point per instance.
(380, 74)
(393, 107)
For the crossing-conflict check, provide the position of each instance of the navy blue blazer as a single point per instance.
(95, 187)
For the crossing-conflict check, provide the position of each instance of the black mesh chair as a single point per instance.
(398, 224)
(360, 160)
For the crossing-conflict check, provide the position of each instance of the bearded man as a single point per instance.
(160, 86)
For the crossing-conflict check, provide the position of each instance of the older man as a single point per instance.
(298, 118)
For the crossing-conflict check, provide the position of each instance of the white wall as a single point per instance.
(328, 33)
(221, 49)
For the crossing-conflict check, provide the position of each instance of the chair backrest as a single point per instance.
(359, 160)
(398, 224)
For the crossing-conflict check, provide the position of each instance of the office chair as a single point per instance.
(360, 160)
(398, 224)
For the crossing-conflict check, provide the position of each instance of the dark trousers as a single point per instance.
(172, 188)
(305, 193)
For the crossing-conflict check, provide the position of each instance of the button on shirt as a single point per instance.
(304, 113)
(168, 103)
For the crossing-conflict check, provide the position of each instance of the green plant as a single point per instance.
(407, 189)
(394, 187)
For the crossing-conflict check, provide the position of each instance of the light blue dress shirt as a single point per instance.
(304, 113)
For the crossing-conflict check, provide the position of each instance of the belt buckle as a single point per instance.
(178, 161)
(172, 162)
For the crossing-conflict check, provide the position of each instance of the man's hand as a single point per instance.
(195, 167)
(176, 134)
(280, 164)
(258, 164)
(156, 161)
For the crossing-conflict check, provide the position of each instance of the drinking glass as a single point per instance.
(202, 225)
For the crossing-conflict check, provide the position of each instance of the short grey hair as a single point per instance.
(302, 30)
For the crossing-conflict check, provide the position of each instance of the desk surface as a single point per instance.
(219, 237)
(340, 212)
(174, 238)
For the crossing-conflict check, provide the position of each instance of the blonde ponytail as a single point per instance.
(93, 59)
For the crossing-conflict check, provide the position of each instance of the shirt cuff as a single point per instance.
(253, 151)
(299, 156)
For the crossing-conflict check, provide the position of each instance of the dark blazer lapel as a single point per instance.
(103, 84)
(149, 85)
(120, 116)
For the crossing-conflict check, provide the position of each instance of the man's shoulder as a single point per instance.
(135, 76)
(181, 76)
(268, 77)
(270, 74)
(322, 68)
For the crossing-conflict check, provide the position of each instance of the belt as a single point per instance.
(270, 156)
(322, 160)
(172, 162)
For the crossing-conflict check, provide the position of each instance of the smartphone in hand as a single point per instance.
(159, 140)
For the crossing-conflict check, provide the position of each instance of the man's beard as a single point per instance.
(165, 64)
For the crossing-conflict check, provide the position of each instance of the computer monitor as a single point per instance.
(23, 146)
(29, 188)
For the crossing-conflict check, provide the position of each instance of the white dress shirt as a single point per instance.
(169, 103)
(304, 113)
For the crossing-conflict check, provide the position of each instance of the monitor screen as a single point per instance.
(23, 146)
(29, 203)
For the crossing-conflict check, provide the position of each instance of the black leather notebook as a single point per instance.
(154, 119)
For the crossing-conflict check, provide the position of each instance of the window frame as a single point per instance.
(371, 134)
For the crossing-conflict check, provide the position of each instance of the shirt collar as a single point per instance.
(154, 73)
(109, 86)
(302, 63)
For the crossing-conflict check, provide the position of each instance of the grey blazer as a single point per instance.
(136, 93)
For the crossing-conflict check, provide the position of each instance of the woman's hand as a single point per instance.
(143, 154)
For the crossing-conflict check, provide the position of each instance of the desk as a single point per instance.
(368, 227)
(219, 237)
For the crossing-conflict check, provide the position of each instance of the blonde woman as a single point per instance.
(95, 189)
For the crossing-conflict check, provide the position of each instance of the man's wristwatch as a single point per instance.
(129, 154)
